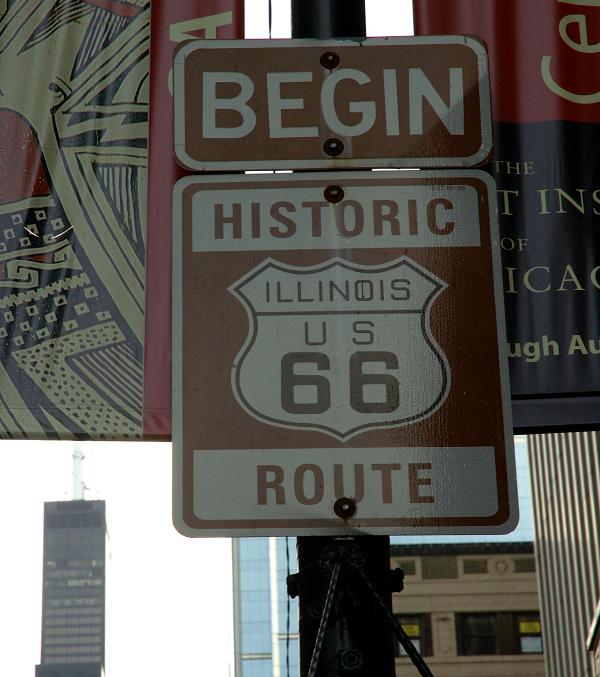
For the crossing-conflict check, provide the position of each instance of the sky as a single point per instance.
(169, 597)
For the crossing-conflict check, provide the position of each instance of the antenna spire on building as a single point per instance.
(79, 486)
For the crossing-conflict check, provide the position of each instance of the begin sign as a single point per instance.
(339, 356)
(388, 102)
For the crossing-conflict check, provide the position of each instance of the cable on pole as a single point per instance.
(347, 559)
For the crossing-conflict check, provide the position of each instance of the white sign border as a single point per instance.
(191, 164)
(177, 360)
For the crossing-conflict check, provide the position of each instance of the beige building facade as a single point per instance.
(472, 610)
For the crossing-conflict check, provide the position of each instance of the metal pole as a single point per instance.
(323, 19)
(356, 641)
(342, 628)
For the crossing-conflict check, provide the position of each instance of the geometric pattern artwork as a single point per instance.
(73, 173)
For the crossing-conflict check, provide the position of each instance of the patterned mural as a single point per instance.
(73, 173)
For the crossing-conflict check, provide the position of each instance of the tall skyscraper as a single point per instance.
(73, 603)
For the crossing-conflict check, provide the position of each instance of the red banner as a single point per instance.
(85, 352)
(172, 22)
(542, 53)
(73, 137)
(546, 110)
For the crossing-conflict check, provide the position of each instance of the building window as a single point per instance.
(439, 567)
(485, 634)
(409, 566)
(477, 634)
(475, 566)
(524, 565)
(529, 631)
(418, 629)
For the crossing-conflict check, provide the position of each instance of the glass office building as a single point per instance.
(74, 583)
(266, 619)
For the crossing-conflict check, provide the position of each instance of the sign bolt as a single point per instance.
(344, 508)
(330, 60)
(334, 194)
(333, 147)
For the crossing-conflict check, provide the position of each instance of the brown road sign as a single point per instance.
(292, 104)
(340, 338)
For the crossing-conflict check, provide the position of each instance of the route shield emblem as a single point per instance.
(340, 347)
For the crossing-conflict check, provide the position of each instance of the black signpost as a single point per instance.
(323, 19)
(345, 585)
